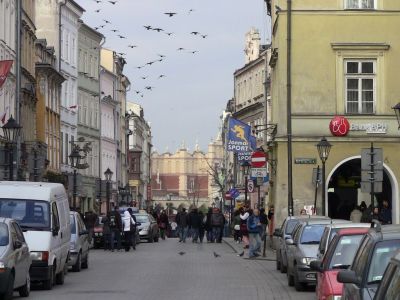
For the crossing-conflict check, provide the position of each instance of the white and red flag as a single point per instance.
(5, 67)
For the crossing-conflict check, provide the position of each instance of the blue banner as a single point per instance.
(246, 156)
(239, 137)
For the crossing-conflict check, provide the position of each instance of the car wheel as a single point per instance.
(48, 284)
(25, 289)
(297, 284)
(60, 277)
(8, 293)
(77, 266)
(85, 263)
(278, 262)
(151, 239)
(156, 239)
(283, 267)
(290, 279)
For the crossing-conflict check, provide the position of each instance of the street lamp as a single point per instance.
(75, 159)
(108, 174)
(396, 109)
(246, 170)
(323, 147)
(12, 131)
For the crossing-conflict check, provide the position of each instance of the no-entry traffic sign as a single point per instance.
(258, 159)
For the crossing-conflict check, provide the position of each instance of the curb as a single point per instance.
(233, 248)
(259, 258)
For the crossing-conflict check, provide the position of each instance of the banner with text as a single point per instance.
(240, 139)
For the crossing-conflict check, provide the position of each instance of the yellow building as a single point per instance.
(345, 56)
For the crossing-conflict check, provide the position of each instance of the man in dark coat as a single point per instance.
(182, 221)
(115, 223)
(386, 213)
(194, 222)
(217, 224)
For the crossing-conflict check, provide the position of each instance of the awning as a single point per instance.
(5, 67)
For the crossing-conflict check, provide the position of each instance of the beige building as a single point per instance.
(344, 62)
(188, 178)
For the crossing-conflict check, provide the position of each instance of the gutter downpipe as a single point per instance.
(289, 106)
(18, 80)
(100, 96)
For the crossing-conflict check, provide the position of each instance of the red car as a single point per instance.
(339, 256)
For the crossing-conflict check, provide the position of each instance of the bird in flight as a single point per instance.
(114, 30)
(137, 92)
(113, 2)
(194, 52)
(160, 60)
(195, 32)
(190, 11)
(144, 77)
(180, 49)
(149, 88)
(147, 27)
(96, 28)
(132, 46)
(97, 10)
(139, 67)
(161, 55)
(97, 1)
(102, 26)
(121, 53)
(107, 22)
(170, 14)
(150, 63)
(121, 36)
(169, 33)
(204, 36)
(161, 76)
(158, 29)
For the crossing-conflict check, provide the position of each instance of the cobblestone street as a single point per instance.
(157, 271)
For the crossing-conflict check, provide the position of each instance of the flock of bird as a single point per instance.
(107, 26)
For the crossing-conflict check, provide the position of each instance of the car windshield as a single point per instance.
(290, 226)
(30, 214)
(3, 235)
(345, 251)
(142, 218)
(383, 252)
(73, 224)
(312, 234)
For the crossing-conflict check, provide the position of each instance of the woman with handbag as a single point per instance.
(129, 230)
(163, 224)
(244, 215)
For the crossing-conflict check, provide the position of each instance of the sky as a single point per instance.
(186, 104)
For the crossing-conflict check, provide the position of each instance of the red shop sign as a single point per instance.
(339, 126)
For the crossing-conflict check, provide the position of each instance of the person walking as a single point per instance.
(182, 221)
(271, 223)
(163, 224)
(356, 215)
(217, 224)
(106, 233)
(244, 215)
(174, 226)
(129, 229)
(90, 221)
(236, 226)
(254, 227)
(208, 226)
(264, 223)
(386, 213)
(130, 210)
(203, 221)
(116, 228)
(194, 222)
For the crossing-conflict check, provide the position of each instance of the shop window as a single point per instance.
(360, 4)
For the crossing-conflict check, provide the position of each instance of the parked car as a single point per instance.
(42, 211)
(302, 250)
(148, 228)
(330, 232)
(79, 244)
(15, 260)
(339, 256)
(389, 288)
(284, 233)
(98, 236)
(376, 249)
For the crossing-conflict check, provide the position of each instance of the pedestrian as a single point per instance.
(271, 223)
(129, 230)
(90, 221)
(367, 215)
(244, 214)
(174, 226)
(130, 210)
(264, 223)
(217, 224)
(386, 213)
(203, 221)
(303, 212)
(163, 224)
(194, 222)
(106, 233)
(236, 226)
(376, 214)
(356, 214)
(182, 221)
(254, 227)
(116, 228)
(208, 225)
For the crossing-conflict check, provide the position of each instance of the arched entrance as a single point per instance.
(344, 193)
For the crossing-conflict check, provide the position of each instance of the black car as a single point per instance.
(361, 281)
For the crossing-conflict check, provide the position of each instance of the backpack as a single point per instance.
(113, 221)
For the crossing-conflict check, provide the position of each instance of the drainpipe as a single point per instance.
(289, 107)
(100, 96)
(18, 77)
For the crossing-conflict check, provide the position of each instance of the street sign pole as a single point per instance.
(372, 176)
(316, 191)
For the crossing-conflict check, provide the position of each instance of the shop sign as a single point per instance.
(339, 126)
(305, 161)
(370, 128)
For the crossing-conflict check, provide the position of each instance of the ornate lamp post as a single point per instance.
(323, 147)
(75, 159)
(108, 174)
(12, 131)
(246, 170)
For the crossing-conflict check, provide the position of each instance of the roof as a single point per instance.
(385, 232)
(353, 230)
(29, 190)
(351, 225)
(317, 221)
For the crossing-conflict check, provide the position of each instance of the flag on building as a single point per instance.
(5, 67)
(3, 116)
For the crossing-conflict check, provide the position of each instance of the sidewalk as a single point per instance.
(238, 248)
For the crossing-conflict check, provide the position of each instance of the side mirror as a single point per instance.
(83, 232)
(17, 244)
(55, 231)
(316, 265)
(348, 276)
(277, 233)
(289, 242)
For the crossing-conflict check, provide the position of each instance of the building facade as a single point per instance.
(139, 155)
(89, 42)
(349, 73)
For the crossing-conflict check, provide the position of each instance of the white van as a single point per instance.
(42, 211)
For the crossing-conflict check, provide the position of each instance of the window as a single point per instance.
(360, 87)
(360, 4)
(392, 292)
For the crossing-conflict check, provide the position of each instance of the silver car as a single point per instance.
(302, 250)
(15, 260)
(79, 244)
(148, 228)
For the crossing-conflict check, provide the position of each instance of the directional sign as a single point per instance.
(258, 159)
(259, 172)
